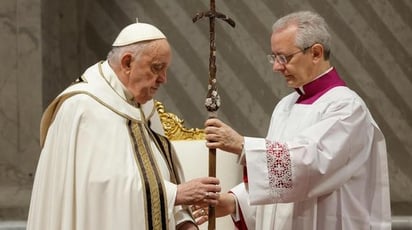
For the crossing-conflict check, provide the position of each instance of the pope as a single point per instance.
(104, 163)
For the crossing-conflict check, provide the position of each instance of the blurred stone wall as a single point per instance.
(20, 103)
(47, 44)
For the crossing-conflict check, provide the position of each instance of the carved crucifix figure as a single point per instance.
(212, 102)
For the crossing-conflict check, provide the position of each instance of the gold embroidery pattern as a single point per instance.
(155, 199)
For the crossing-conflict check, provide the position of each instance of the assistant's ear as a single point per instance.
(317, 52)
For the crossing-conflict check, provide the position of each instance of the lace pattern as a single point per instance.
(279, 166)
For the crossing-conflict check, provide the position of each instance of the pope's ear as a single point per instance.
(126, 61)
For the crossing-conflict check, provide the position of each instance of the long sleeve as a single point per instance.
(245, 216)
(181, 213)
(310, 162)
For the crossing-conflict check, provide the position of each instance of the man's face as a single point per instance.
(298, 69)
(148, 71)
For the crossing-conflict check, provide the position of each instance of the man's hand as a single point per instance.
(198, 191)
(226, 206)
(200, 213)
(219, 135)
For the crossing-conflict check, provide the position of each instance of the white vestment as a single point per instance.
(322, 166)
(89, 176)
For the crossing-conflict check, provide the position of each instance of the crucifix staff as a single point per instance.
(212, 102)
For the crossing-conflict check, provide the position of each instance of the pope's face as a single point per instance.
(298, 70)
(148, 71)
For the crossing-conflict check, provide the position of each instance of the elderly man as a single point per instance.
(102, 166)
(323, 163)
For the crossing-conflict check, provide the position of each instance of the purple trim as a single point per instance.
(315, 89)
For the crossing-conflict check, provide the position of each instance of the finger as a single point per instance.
(213, 122)
(213, 145)
(210, 181)
(210, 122)
(197, 208)
(210, 137)
(215, 188)
(212, 188)
(201, 212)
(211, 202)
(208, 195)
(194, 208)
(201, 215)
(213, 134)
(203, 203)
(201, 220)
(212, 196)
(198, 213)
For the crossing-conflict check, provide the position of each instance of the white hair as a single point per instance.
(311, 29)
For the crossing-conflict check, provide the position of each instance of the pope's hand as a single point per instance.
(199, 191)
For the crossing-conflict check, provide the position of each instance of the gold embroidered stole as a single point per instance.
(156, 200)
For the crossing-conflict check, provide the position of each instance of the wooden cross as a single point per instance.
(212, 102)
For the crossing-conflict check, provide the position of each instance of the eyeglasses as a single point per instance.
(284, 59)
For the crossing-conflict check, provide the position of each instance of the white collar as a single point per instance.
(116, 84)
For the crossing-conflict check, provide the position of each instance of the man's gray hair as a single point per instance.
(311, 29)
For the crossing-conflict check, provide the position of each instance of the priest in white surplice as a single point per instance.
(103, 164)
(323, 163)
